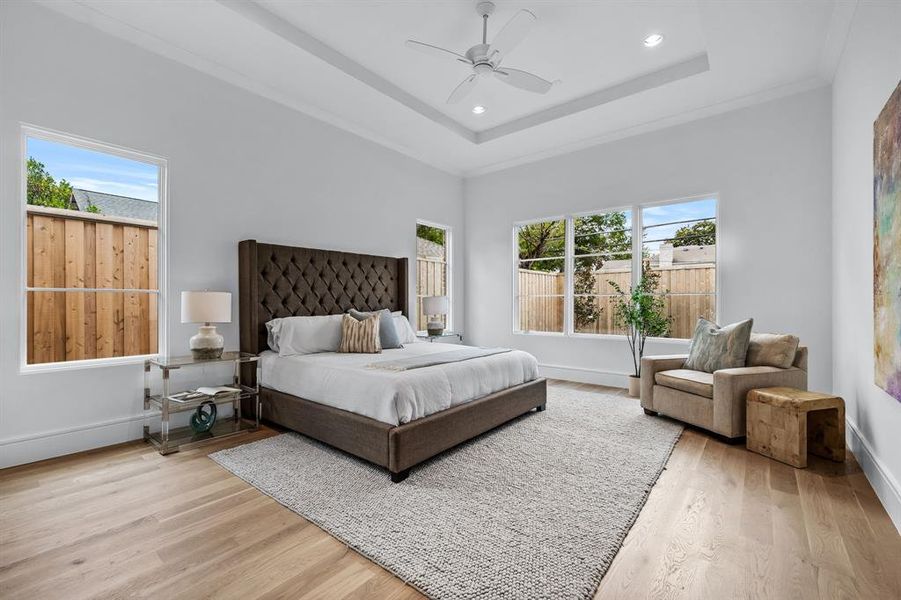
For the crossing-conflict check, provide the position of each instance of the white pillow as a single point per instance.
(305, 335)
(404, 329)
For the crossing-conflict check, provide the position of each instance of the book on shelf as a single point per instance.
(203, 392)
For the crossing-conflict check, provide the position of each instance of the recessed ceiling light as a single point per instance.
(653, 40)
(478, 109)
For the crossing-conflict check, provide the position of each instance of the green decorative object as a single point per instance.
(202, 420)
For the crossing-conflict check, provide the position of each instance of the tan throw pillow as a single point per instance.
(772, 350)
(360, 336)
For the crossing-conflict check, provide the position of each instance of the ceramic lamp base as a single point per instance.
(434, 328)
(208, 343)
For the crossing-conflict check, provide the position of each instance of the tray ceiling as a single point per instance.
(346, 63)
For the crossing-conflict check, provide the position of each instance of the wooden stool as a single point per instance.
(785, 423)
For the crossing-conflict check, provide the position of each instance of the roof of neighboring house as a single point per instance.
(116, 206)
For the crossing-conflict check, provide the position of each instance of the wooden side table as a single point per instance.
(786, 424)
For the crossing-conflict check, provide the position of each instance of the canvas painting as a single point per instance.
(887, 245)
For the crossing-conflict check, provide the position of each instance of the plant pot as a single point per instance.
(634, 386)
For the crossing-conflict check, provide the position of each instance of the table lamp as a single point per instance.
(434, 306)
(206, 307)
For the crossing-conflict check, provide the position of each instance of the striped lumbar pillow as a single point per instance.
(360, 336)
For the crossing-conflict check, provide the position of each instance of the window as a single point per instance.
(602, 252)
(679, 247)
(676, 245)
(433, 252)
(92, 255)
(541, 275)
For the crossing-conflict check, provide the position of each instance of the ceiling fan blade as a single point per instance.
(436, 51)
(523, 80)
(463, 89)
(511, 35)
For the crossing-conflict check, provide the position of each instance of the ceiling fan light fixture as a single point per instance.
(653, 40)
(478, 109)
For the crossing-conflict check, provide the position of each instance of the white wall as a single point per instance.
(239, 167)
(869, 70)
(770, 165)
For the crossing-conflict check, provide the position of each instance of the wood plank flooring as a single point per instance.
(720, 523)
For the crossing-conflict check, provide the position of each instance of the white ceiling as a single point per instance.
(345, 62)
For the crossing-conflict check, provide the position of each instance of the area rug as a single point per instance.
(537, 508)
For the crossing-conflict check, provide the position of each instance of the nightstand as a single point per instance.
(168, 440)
(446, 335)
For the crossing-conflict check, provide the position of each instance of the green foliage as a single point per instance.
(92, 208)
(641, 312)
(538, 240)
(702, 233)
(432, 234)
(43, 190)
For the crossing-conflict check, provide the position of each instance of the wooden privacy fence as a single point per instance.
(431, 280)
(115, 261)
(692, 294)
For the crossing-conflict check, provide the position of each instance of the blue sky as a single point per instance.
(96, 171)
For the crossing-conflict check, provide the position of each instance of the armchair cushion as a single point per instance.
(772, 350)
(686, 380)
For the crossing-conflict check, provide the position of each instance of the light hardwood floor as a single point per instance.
(720, 523)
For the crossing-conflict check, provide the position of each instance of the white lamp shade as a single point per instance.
(434, 305)
(206, 307)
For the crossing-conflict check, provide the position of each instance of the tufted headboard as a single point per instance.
(285, 281)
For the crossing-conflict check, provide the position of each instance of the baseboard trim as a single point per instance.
(29, 448)
(584, 375)
(884, 484)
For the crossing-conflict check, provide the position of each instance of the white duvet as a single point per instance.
(344, 380)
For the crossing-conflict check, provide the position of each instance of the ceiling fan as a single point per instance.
(485, 58)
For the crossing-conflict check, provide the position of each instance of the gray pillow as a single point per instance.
(772, 350)
(388, 335)
(714, 347)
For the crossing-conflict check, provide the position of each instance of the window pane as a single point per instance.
(92, 222)
(541, 313)
(679, 250)
(431, 269)
(603, 253)
(542, 240)
(65, 326)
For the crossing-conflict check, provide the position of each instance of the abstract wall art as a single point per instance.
(887, 245)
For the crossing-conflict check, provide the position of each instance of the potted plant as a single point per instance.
(641, 312)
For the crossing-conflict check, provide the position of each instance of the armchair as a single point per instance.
(714, 401)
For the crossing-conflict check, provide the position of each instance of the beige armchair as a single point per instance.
(714, 401)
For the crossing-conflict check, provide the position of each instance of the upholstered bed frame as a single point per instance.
(285, 281)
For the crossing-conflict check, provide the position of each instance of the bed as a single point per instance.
(452, 404)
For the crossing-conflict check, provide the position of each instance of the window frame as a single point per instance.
(637, 248)
(448, 275)
(27, 131)
(514, 246)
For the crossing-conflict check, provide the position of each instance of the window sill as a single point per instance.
(540, 333)
(84, 364)
(599, 336)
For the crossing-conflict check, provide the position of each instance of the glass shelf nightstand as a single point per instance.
(168, 440)
(443, 336)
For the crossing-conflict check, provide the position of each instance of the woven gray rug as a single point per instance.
(537, 508)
